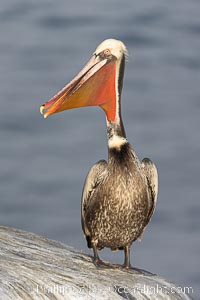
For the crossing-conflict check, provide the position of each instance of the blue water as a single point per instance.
(43, 163)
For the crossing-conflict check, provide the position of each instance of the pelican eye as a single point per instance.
(107, 52)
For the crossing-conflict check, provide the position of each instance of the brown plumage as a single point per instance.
(119, 198)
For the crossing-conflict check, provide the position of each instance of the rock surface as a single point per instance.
(33, 267)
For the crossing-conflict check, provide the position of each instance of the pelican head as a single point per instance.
(99, 83)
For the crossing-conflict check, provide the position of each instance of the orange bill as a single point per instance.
(95, 85)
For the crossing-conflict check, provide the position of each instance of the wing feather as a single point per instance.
(151, 173)
(152, 178)
(93, 179)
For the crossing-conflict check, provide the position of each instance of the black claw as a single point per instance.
(127, 267)
(101, 264)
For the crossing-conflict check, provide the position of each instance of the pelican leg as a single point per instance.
(98, 262)
(96, 255)
(127, 263)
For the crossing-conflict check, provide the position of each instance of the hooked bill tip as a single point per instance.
(42, 109)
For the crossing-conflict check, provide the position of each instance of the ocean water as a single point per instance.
(43, 163)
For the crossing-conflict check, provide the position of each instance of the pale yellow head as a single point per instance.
(116, 47)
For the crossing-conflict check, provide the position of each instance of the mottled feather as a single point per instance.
(151, 173)
(93, 179)
(117, 200)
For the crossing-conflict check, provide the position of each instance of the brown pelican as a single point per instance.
(119, 195)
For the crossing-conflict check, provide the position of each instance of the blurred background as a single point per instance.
(43, 163)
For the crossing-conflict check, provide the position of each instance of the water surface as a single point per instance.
(44, 162)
